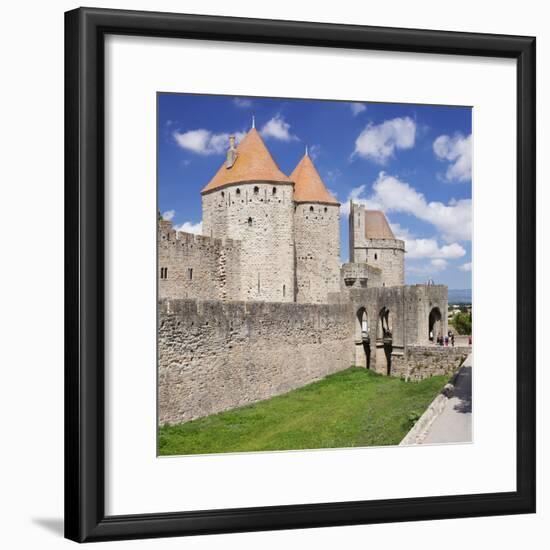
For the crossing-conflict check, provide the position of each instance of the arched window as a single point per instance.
(256, 190)
(376, 256)
(311, 208)
(249, 222)
(435, 325)
(326, 209)
(274, 190)
(238, 191)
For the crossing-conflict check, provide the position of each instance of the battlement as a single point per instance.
(359, 275)
(169, 234)
(396, 244)
(215, 355)
(196, 265)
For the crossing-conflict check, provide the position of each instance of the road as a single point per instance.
(454, 424)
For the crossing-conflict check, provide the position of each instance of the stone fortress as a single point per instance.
(259, 304)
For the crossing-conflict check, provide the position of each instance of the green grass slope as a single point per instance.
(352, 408)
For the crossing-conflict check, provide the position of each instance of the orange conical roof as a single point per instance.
(253, 163)
(377, 226)
(308, 185)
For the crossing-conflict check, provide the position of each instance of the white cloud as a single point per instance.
(466, 267)
(204, 142)
(427, 270)
(168, 215)
(426, 248)
(401, 232)
(458, 151)
(357, 108)
(453, 220)
(190, 227)
(242, 102)
(439, 264)
(277, 128)
(379, 142)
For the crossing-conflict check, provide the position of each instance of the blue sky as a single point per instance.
(412, 161)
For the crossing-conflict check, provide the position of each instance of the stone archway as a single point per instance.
(362, 339)
(435, 325)
(384, 341)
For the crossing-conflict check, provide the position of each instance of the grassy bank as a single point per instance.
(352, 408)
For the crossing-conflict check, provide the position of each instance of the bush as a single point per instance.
(462, 322)
(413, 418)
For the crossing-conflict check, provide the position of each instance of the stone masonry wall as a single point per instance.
(419, 362)
(193, 266)
(408, 309)
(388, 256)
(261, 216)
(317, 251)
(215, 356)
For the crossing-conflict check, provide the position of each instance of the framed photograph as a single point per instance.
(300, 274)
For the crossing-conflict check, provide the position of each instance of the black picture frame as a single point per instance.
(85, 29)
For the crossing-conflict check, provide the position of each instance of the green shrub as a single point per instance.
(462, 322)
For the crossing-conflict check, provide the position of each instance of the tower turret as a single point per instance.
(372, 241)
(316, 235)
(249, 199)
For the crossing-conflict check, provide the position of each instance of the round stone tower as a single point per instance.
(251, 200)
(316, 235)
(372, 241)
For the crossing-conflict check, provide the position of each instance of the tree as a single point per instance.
(463, 322)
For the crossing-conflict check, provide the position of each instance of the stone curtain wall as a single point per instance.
(261, 216)
(216, 356)
(408, 307)
(428, 297)
(419, 362)
(317, 242)
(196, 266)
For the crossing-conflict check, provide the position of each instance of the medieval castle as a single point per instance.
(259, 304)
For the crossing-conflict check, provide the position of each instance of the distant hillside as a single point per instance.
(460, 296)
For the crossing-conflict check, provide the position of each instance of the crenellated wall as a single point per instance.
(214, 356)
(193, 266)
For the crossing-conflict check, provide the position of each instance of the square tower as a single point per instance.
(372, 241)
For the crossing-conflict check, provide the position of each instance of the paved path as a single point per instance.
(454, 424)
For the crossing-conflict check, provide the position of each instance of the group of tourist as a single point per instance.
(443, 340)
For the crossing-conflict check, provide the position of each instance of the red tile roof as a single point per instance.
(377, 226)
(308, 185)
(253, 163)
